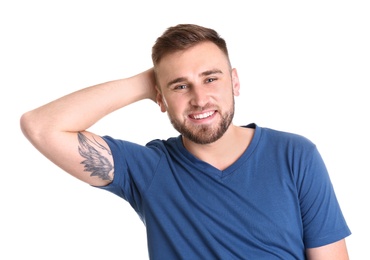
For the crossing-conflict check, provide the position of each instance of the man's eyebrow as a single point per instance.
(202, 74)
(210, 72)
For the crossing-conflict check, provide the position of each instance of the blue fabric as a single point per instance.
(272, 203)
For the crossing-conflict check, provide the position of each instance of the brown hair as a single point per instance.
(182, 37)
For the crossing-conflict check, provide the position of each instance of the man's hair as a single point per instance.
(184, 36)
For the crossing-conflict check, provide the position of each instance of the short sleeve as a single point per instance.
(134, 168)
(323, 220)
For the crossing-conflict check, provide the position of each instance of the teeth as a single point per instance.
(201, 116)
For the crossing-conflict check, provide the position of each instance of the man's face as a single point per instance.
(197, 91)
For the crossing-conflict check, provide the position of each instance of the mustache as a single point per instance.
(197, 108)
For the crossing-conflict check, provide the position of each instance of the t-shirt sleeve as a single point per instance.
(323, 221)
(134, 168)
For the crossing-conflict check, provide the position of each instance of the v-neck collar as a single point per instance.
(209, 169)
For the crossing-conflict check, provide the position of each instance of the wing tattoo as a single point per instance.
(95, 155)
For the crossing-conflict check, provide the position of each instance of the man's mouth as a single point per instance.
(202, 115)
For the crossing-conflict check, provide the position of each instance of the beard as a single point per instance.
(204, 134)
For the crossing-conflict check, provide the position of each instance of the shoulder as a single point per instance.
(171, 144)
(153, 149)
(282, 143)
(275, 136)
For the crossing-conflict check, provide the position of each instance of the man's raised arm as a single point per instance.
(58, 129)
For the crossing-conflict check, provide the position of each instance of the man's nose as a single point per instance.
(199, 96)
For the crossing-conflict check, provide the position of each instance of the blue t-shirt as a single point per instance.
(272, 203)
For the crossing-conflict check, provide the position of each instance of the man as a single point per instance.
(217, 191)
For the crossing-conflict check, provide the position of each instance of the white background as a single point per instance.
(304, 67)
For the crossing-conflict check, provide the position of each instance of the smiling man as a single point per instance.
(216, 191)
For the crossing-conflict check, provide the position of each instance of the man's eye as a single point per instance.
(181, 87)
(210, 80)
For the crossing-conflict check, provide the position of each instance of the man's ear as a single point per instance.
(161, 101)
(235, 82)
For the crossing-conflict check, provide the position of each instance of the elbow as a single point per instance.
(24, 123)
(29, 126)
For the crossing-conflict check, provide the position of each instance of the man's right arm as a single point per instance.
(59, 129)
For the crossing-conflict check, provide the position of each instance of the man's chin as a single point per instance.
(203, 137)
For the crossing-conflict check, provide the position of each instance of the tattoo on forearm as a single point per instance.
(95, 155)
